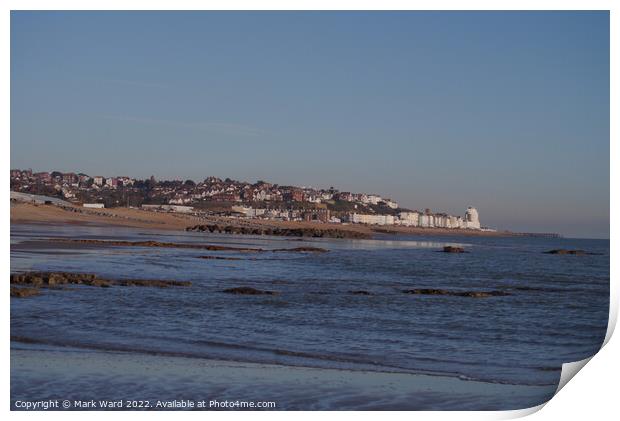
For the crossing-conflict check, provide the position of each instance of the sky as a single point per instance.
(504, 111)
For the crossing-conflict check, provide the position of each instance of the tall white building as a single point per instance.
(471, 218)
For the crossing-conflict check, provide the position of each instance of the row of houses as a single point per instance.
(421, 219)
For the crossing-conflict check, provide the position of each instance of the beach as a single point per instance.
(24, 213)
(125, 376)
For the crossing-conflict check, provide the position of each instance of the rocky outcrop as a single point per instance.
(304, 250)
(474, 294)
(208, 247)
(248, 291)
(23, 292)
(151, 283)
(37, 280)
(453, 249)
(219, 258)
(572, 252)
(150, 243)
(278, 231)
(53, 279)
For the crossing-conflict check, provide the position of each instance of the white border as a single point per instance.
(591, 395)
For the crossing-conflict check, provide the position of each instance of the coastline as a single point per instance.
(26, 213)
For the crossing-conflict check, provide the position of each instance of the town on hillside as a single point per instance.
(214, 196)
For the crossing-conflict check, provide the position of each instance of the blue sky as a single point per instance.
(505, 111)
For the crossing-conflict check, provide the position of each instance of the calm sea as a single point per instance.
(556, 312)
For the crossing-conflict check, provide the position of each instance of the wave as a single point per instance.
(350, 363)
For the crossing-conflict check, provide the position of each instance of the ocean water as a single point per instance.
(556, 312)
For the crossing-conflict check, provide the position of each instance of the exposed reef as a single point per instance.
(208, 247)
(572, 252)
(248, 291)
(277, 231)
(474, 294)
(30, 283)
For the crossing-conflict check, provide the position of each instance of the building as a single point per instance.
(426, 221)
(472, 220)
(345, 196)
(409, 219)
(70, 178)
(293, 196)
(98, 180)
(43, 176)
(168, 208)
(357, 218)
(112, 182)
(94, 205)
(321, 214)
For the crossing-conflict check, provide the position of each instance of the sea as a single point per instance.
(555, 309)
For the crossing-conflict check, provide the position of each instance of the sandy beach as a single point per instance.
(137, 218)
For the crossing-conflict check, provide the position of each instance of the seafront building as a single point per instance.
(422, 220)
(357, 218)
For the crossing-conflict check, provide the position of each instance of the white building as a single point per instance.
(357, 218)
(94, 205)
(409, 219)
(168, 208)
(441, 221)
(472, 220)
(248, 211)
(426, 221)
(371, 198)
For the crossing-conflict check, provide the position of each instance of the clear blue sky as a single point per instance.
(505, 111)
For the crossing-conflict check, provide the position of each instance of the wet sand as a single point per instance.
(121, 375)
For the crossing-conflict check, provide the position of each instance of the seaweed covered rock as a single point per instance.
(248, 291)
(453, 249)
(21, 292)
(474, 294)
(570, 252)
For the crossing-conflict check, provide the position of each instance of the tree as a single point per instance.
(190, 183)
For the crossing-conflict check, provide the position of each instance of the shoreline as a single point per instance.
(34, 369)
(26, 213)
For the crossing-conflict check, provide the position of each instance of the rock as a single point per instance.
(56, 279)
(248, 291)
(277, 231)
(150, 243)
(573, 252)
(304, 250)
(151, 283)
(99, 283)
(24, 292)
(219, 257)
(474, 294)
(51, 279)
(453, 249)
